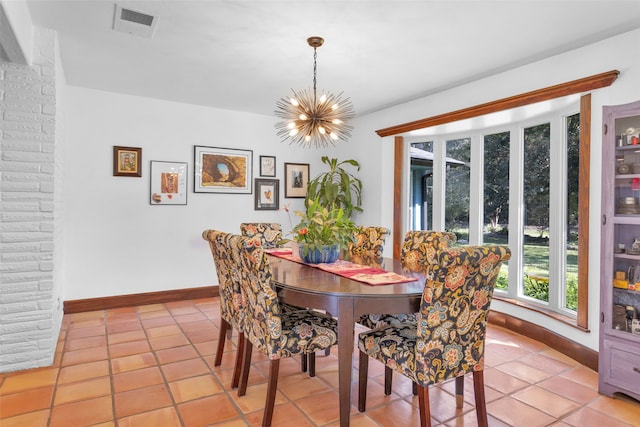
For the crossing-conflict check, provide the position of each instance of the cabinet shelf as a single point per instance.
(625, 255)
(627, 219)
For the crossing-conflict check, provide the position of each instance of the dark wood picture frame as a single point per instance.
(267, 194)
(267, 166)
(127, 161)
(296, 179)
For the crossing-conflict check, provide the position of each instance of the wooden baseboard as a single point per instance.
(565, 346)
(105, 303)
(577, 352)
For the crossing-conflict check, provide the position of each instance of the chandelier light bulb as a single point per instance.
(310, 120)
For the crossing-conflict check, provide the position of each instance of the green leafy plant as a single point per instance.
(337, 188)
(320, 226)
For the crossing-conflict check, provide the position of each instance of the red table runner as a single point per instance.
(361, 273)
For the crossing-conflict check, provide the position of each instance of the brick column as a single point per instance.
(30, 306)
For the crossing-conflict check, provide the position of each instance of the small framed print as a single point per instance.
(127, 161)
(267, 166)
(168, 183)
(267, 194)
(296, 178)
(222, 170)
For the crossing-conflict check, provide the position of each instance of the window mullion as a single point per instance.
(476, 193)
(439, 188)
(516, 211)
(557, 208)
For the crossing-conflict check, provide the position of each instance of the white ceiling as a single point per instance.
(244, 55)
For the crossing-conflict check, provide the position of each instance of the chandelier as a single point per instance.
(311, 120)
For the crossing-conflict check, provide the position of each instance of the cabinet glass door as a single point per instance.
(626, 281)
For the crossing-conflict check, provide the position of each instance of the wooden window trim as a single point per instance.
(586, 84)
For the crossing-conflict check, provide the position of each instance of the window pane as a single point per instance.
(496, 196)
(536, 211)
(573, 168)
(457, 188)
(422, 185)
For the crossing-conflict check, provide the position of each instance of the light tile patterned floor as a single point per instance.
(153, 366)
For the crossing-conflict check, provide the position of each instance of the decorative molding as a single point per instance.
(105, 303)
(563, 89)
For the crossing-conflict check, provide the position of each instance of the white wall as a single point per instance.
(116, 243)
(604, 56)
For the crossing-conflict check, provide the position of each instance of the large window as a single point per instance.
(536, 208)
(525, 181)
(496, 155)
(458, 181)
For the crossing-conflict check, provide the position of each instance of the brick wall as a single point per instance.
(30, 306)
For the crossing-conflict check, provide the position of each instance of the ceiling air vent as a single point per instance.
(134, 22)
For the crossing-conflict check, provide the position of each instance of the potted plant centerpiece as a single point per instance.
(322, 233)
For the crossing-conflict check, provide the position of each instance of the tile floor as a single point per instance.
(153, 366)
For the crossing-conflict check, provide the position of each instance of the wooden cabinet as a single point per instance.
(619, 357)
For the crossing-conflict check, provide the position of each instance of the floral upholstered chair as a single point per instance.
(418, 251)
(368, 241)
(419, 247)
(268, 234)
(275, 333)
(232, 300)
(448, 340)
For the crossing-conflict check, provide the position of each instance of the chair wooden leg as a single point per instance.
(224, 326)
(388, 380)
(239, 355)
(459, 392)
(414, 389)
(272, 386)
(303, 363)
(423, 403)
(481, 404)
(312, 364)
(246, 363)
(363, 372)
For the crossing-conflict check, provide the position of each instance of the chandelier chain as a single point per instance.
(315, 60)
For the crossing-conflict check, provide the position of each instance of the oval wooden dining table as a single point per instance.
(346, 299)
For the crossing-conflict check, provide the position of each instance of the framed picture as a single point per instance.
(222, 170)
(296, 178)
(127, 161)
(267, 194)
(267, 166)
(168, 183)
